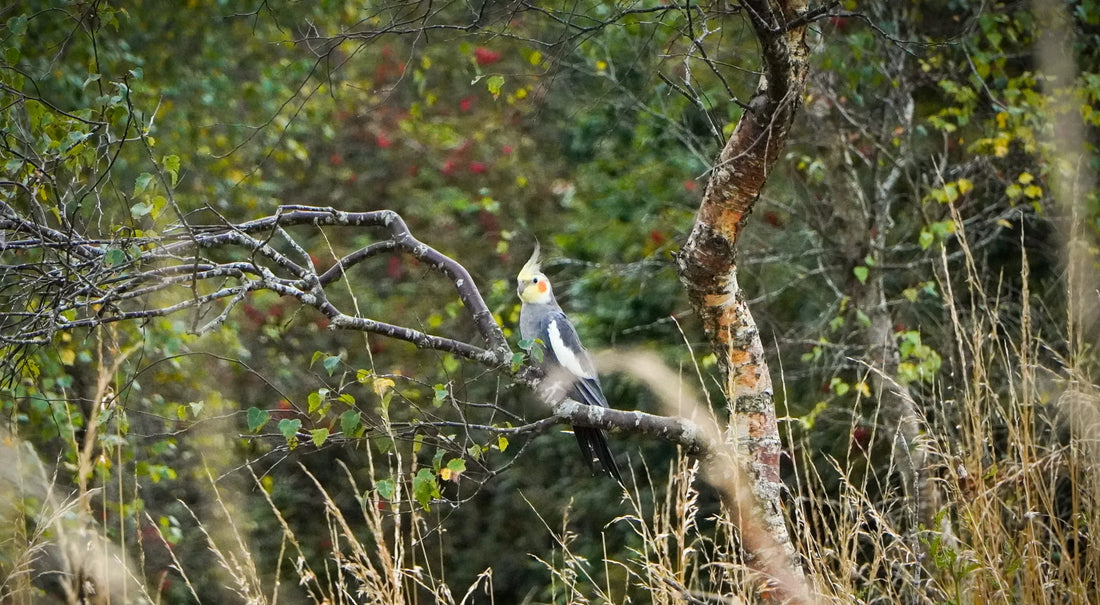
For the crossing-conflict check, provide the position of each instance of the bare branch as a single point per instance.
(90, 278)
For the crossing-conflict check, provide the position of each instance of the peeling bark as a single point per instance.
(707, 262)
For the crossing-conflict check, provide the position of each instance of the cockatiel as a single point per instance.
(565, 361)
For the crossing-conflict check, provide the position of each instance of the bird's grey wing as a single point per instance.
(565, 348)
(566, 356)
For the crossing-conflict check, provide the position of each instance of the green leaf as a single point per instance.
(142, 182)
(349, 422)
(171, 163)
(318, 436)
(385, 489)
(315, 400)
(861, 273)
(495, 84)
(502, 443)
(346, 399)
(331, 363)
(140, 209)
(289, 427)
(257, 418)
(425, 487)
(196, 408)
(455, 467)
(441, 394)
(114, 258)
(839, 386)
(926, 238)
(862, 318)
(17, 25)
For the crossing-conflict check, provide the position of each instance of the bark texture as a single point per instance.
(707, 263)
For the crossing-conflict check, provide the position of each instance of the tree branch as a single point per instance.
(92, 277)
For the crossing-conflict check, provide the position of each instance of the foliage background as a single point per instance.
(916, 193)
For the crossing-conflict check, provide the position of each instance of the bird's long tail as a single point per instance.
(593, 444)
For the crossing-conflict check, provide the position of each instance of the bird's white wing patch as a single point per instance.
(569, 358)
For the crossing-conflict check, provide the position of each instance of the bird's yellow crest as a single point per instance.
(531, 284)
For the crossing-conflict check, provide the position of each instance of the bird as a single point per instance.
(565, 361)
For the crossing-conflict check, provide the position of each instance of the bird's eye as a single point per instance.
(534, 280)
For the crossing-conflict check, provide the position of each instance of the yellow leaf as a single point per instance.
(965, 186)
(1025, 178)
(445, 474)
(382, 386)
(601, 66)
(1033, 191)
(68, 356)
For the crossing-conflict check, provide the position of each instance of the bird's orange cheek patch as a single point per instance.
(542, 287)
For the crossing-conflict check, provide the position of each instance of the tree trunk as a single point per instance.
(707, 264)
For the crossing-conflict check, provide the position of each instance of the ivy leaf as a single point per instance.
(257, 418)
